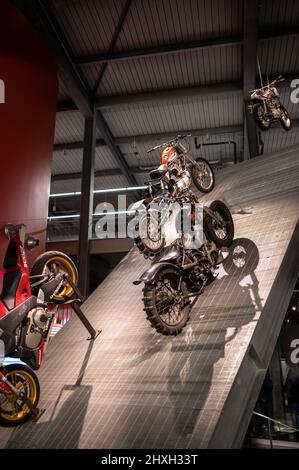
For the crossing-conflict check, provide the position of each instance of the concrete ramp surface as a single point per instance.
(132, 387)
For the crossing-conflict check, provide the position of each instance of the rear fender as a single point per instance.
(152, 273)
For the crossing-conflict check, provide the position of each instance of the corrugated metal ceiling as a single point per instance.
(171, 71)
(89, 28)
(104, 182)
(72, 160)
(89, 25)
(177, 115)
(279, 13)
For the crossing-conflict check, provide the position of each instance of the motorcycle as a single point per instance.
(178, 168)
(155, 230)
(170, 284)
(266, 108)
(27, 312)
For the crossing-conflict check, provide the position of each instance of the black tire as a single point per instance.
(285, 120)
(197, 176)
(147, 246)
(258, 112)
(151, 292)
(20, 371)
(59, 262)
(213, 232)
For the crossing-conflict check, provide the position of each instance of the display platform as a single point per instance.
(132, 387)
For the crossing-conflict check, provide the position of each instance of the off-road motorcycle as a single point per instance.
(266, 107)
(178, 168)
(169, 284)
(156, 231)
(26, 317)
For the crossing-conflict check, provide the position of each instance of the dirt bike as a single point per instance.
(170, 284)
(217, 223)
(266, 107)
(27, 312)
(178, 166)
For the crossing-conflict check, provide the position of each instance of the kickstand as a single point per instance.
(76, 307)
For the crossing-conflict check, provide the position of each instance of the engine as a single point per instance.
(178, 176)
(204, 261)
(36, 324)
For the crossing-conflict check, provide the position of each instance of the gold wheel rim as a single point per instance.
(59, 264)
(26, 384)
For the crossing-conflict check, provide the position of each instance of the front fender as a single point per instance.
(151, 274)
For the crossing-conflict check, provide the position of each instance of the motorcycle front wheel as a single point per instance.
(56, 262)
(12, 411)
(166, 303)
(285, 119)
(203, 176)
(261, 117)
(222, 234)
(150, 240)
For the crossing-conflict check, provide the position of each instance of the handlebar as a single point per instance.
(277, 80)
(167, 144)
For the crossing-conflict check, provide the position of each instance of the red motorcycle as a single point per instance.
(27, 312)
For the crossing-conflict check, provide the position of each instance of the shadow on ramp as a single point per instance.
(72, 399)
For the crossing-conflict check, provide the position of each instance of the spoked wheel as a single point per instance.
(166, 303)
(12, 410)
(56, 262)
(285, 119)
(261, 117)
(203, 176)
(222, 232)
(150, 240)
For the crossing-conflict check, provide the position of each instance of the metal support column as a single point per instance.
(277, 384)
(251, 14)
(86, 210)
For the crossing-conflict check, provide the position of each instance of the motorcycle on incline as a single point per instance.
(266, 107)
(26, 318)
(170, 283)
(178, 168)
(154, 229)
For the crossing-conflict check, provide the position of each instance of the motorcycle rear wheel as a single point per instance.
(285, 119)
(203, 176)
(166, 308)
(260, 118)
(21, 376)
(220, 235)
(56, 262)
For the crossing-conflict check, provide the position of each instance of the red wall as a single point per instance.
(27, 120)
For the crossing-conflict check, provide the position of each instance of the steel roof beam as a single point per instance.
(173, 48)
(144, 138)
(116, 33)
(203, 92)
(40, 14)
(158, 50)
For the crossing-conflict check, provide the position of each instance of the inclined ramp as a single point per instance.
(132, 387)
